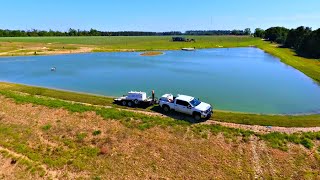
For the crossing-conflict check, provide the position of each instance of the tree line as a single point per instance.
(247, 31)
(302, 39)
(94, 32)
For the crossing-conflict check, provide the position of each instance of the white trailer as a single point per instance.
(136, 98)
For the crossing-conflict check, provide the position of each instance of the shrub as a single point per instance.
(46, 127)
(97, 132)
(306, 143)
(81, 136)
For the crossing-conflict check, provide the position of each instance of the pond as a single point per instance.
(232, 79)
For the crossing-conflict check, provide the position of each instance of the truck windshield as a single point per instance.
(195, 102)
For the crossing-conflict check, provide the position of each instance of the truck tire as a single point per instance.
(124, 103)
(130, 104)
(196, 116)
(136, 101)
(166, 108)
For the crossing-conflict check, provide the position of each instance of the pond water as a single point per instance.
(233, 79)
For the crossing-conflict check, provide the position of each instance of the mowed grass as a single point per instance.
(241, 118)
(140, 42)
(84, 146)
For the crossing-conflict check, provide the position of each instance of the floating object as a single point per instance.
(188, 49)
(53, 69)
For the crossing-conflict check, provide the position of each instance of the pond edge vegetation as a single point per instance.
(143, 122)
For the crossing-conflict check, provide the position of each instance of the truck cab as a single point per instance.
(186, 105)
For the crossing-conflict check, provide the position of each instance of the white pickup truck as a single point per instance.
(187, 105)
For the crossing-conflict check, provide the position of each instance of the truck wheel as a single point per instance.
(130, 103)
(197, 117)
(136, 101)
(124, 103)
(165, 108)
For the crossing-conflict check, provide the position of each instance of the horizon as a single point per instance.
(157, 16)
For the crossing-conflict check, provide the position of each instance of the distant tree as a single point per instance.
(72, 32)
(259, 33)
(310, 45)
(32, 33)
(94, 32)
(237, 32)
(277, 34)
(247, 31)
(296, 36)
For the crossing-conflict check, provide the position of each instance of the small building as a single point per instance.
(180, 39)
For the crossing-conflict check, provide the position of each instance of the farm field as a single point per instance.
(56, 134)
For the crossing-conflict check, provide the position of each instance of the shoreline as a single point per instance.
(113, 97)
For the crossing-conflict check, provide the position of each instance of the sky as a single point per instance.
(157, 15)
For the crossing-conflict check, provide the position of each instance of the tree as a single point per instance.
(259, 33)
(72, 32)
(310, 45)
(296, 36)
(247, 31)
(277, 34)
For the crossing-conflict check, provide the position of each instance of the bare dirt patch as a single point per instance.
(27, 49)
(151, 53)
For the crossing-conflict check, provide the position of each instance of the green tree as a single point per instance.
(277, 34)
(296, 36)
(259, 33)
(247, 31)
(72, 32)
(310, 45)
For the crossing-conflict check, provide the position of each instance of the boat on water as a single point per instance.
(188, 49)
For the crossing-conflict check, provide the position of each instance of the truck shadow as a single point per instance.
(176, 115)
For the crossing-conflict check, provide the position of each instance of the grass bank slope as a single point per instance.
(242, 118)
(70, 141)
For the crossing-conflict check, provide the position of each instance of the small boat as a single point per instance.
(53, 69)
(188, 49)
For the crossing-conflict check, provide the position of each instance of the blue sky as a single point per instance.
(157, 15)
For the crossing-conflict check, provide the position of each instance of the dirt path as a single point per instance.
(254, 128)
(265, 129)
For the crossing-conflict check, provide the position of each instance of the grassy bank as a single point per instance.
(241, 118)
(49, 138)
(143, 121)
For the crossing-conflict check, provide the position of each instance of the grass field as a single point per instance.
(140, 42)
(44, 136)
(50, 138)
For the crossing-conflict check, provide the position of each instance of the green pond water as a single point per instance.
(233, 79)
